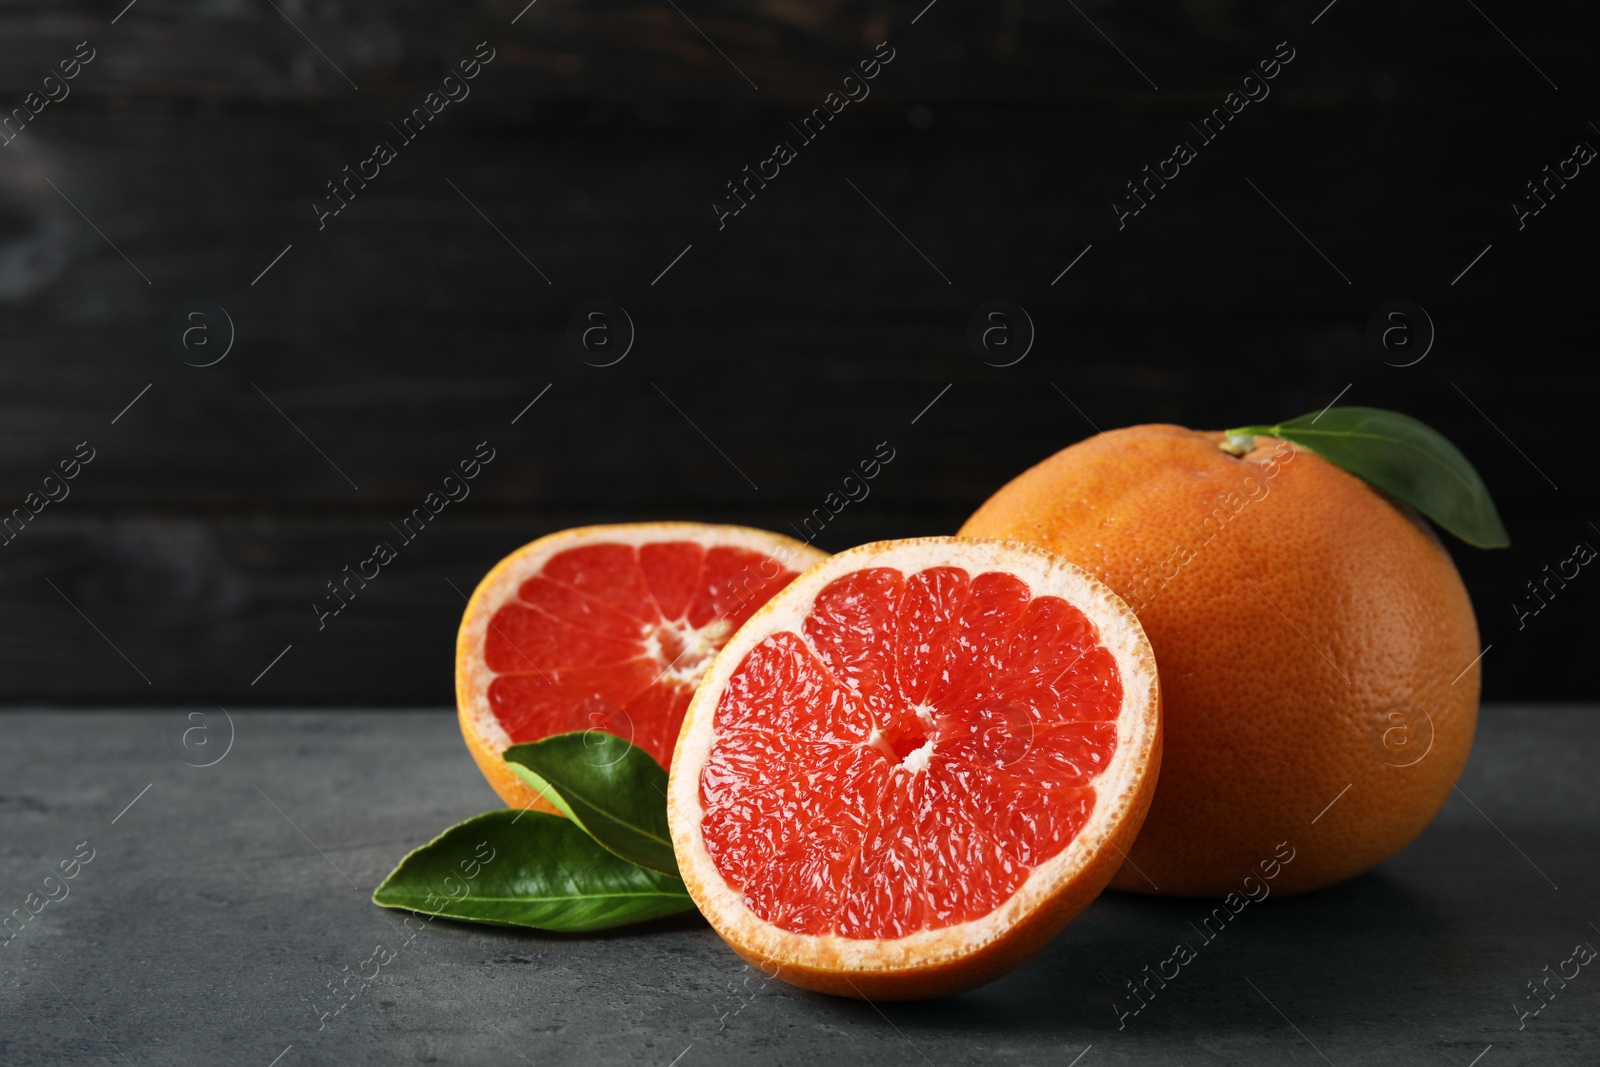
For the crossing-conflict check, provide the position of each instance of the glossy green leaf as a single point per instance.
(1406, 459)
(529, 868)
(611, 788)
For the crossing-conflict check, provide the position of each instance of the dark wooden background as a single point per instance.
(796, 339)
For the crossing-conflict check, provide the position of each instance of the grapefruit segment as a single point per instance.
(607, 628)
(914, 764)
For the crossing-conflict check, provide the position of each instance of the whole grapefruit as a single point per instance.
(1318, 652)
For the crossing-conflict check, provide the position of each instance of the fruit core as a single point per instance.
(905, 756)
(685, 652)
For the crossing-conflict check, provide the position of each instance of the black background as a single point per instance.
(796, 339)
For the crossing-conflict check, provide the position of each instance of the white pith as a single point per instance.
(699, 647)
(501, 584)
(917, 759)
(1116, 788)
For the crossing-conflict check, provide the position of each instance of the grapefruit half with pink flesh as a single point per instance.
(914, 765)
(606, 628)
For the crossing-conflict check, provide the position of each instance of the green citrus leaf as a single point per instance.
(613, 789)
(1406, 459)
(528, 868)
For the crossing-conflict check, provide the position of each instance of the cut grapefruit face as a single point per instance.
(915, 764)
(606, 628)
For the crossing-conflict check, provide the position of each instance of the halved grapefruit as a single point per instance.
(607, 628)
(915, 764)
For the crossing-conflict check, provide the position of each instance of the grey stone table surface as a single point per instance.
(222, 905)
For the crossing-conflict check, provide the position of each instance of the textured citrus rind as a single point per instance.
(1314, 636)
